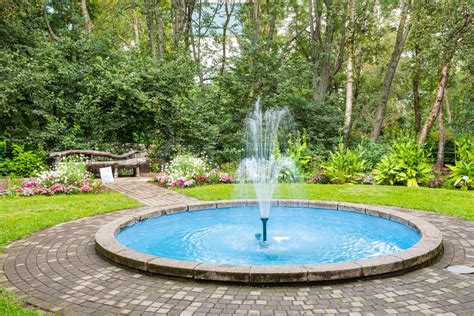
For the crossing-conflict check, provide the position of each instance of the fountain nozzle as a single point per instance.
(264, 223)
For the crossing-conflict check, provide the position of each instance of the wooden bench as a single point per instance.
(131, 160)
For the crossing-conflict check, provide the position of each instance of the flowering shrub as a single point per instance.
(225, 178)
(186, 170)
(68, 177)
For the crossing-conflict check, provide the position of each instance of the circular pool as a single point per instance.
(296, 235)
(307, 241)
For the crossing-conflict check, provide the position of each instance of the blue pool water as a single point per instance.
(295, 236)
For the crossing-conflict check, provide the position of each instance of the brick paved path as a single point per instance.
(58, 270)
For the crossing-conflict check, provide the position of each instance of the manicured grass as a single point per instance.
(451, 202)
(22, 216)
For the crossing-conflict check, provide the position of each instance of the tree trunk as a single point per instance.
(449, 49)
(136, 31)
(442, 138)
(349, 80)
(159, 25)
(46, 20)
(272, 26)
(314, 52)
(325, 70)
(228, 15)
(256, 19)
(436, 105)
(402, 34)
(151, 28)
(87, 18)
(416, 92)
(178, 20)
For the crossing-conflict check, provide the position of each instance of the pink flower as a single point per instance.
(58, 187)
(85, 188)
(181, 182)
(189, 183)
(2, 188)
(43, 191)
(162, 177)
(225, 178)
(30, 184)
(173, 184)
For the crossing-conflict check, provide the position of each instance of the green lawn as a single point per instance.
(20, 217)
(451, 202)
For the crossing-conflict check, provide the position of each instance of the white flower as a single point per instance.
(465, 178)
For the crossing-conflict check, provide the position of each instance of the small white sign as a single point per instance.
(106, 175)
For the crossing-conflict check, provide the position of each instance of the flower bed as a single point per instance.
(186, 170)
(69, 176)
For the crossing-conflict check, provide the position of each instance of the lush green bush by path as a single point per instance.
(451, 202)
(20, 217)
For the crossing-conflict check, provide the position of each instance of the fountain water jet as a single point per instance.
(266, 132)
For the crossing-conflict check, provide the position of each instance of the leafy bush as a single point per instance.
(373, 152)
(344, 166)
(462, 173)
(25, 163)
(4, 160)
(186, 166)
(298, 150)
(71, 171)
(183, 170)
(406, 163)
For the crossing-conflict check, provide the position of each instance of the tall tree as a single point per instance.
(402, 34)
(349, 78)
(86, 16)
(450, 46)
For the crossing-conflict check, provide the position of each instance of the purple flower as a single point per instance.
(30, 184)
(181, 182)
(2, 188)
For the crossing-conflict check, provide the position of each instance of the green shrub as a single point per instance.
(186, 166)
(373, 152)
(406, 163)
(298, 150)
(4, 160)
(344, 166)
(462, 173)
(25, 163)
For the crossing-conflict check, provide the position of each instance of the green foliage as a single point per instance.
(373, 152)
(25, 163)
(344, 165)
(406, 163)
(462, 173)
(4, 160)
(298, 150)
(68, 171)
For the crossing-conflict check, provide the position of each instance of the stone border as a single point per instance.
(426, 250)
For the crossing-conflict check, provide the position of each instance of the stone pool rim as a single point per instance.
(424, 251)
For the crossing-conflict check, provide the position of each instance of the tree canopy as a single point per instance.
(183, 74)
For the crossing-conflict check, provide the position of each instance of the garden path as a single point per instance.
(58, 270)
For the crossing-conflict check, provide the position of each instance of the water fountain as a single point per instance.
(313, 240)
(266, 132)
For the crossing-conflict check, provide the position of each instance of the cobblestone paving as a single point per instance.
(58, 270)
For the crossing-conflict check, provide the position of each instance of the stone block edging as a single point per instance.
(427, 249)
